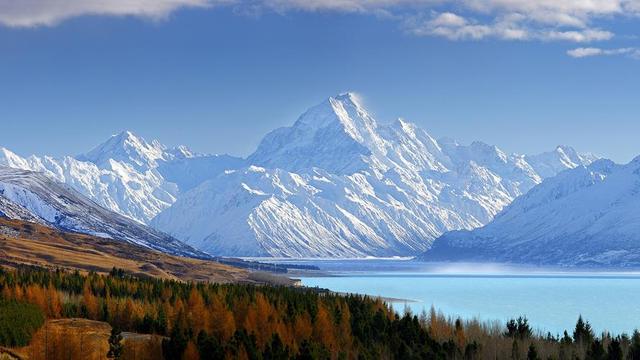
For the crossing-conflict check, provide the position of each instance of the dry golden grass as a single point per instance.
(8, 354)
(82, 339)
(23, 243)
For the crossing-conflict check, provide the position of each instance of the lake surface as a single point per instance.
(552, 299)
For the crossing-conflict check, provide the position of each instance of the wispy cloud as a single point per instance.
(33, 13)
(578, 21)
(506, 27)
(592, 51)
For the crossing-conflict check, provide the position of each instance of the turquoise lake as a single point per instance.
(551, 299)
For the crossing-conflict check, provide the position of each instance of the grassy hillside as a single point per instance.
(23, 243)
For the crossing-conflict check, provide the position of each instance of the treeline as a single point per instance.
(233, 321)
(518, 341)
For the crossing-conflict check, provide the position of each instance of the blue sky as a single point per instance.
(219, 75)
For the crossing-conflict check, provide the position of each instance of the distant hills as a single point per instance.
(334, 184)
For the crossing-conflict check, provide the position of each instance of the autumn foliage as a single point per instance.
(234, 321)
(216, 321)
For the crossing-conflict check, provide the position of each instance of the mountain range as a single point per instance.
(334, 184)
(587, 216)
(126, 174)
(34, 197)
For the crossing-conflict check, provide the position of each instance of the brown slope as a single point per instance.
(24, 243)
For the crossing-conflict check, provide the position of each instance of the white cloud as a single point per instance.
(508, 27)
(580, 36)
(456, 27)
(575, 21)
(632, 6)
(592, 51)
(342, 5)
(31, 13)
(449, 19)
(584, 52)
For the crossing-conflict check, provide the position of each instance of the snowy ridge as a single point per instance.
(589, 215)
(34, 197)
(338, 184)
(126, 174)
(334, 184)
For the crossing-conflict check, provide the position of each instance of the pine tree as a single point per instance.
(596, 351)
(115, 344)
(566, 339)
(532, 354)
(634, 349)
(583, 334)
(614, 350)
(276, 349)
(519, 328)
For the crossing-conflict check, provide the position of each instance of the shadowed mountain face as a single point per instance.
(35, 197)
(589, 215)
(338, 184)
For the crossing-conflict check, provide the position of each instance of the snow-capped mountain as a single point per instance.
(335, 183)
(126, 174)
(563, 157)
(35, 197)
(130, 149)
(589, 215)
(338, 184)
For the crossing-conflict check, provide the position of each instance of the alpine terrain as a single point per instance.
(587, 216)
(338, 184)
(334, 184)
(36, 198)
(126, 174)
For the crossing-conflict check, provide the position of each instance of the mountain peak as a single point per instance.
(182, 152)
(350, 97)
(124, 137)
(566, 150)
(345, 109)
(333, 135)
(126, 147)
(11, 159)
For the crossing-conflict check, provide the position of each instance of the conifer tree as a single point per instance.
(596, 351)
(634, 348)
(614, 350)
(532, 354)
(115, 344)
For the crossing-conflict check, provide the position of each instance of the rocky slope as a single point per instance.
(35, 197)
